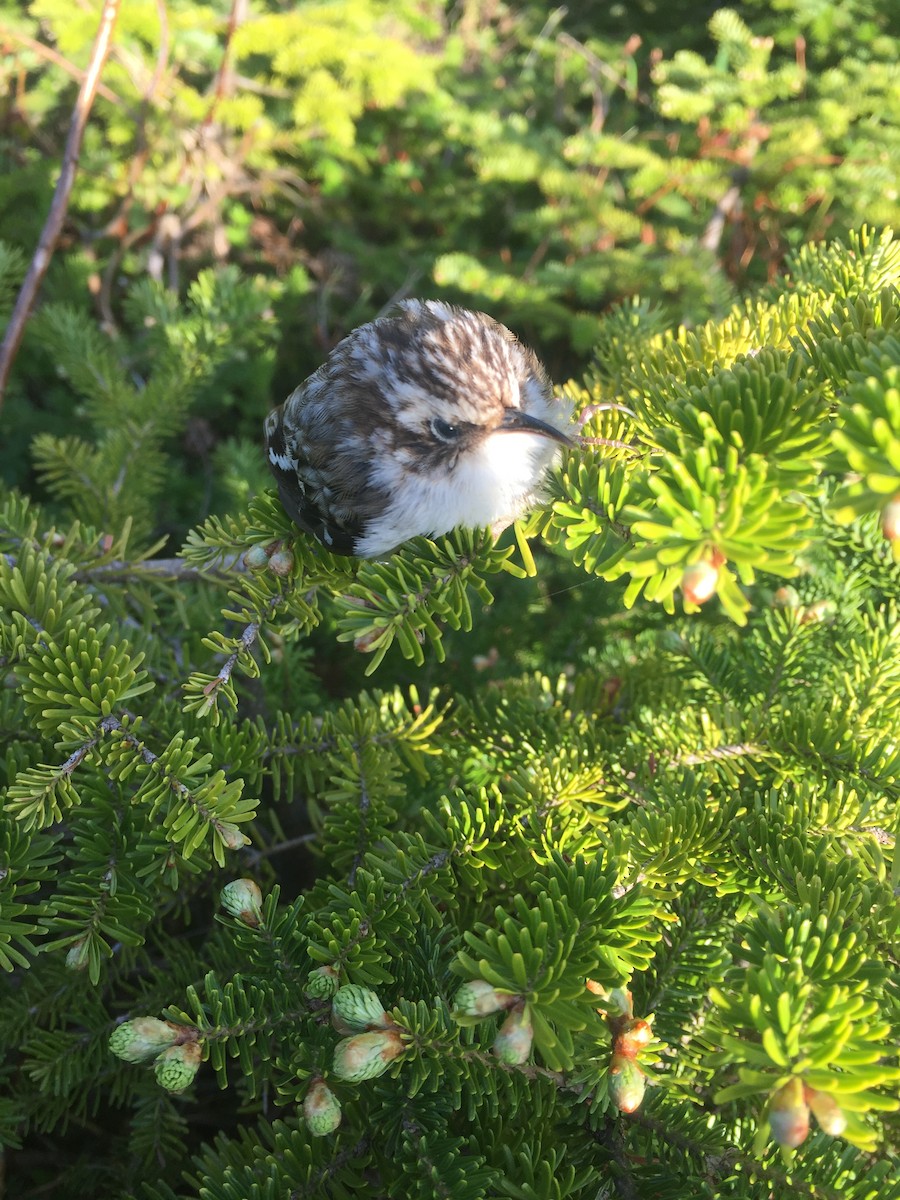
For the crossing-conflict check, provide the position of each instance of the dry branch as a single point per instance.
(58, 208)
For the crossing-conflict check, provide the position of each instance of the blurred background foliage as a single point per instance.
(540, 163)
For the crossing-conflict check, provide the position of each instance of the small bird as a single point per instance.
(416, 423)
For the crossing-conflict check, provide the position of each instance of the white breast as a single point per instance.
(492, 485)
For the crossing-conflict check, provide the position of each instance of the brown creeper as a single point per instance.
(416, 423)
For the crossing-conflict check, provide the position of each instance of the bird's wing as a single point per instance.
(301, 497)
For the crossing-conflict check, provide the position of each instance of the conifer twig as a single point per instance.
(244, 643)
(158, 568)
(59, 206)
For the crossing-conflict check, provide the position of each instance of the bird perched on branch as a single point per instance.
(417, 422)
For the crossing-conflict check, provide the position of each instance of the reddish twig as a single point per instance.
(57, 215)
(224, 83)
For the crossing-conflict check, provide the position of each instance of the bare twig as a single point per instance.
(57, 215)
(225, 78)
(245, 642)
(253, 857)
(158, 568)
(136, 166)
(58, 60)
(598, 65)
(728, 206)
(412, 278)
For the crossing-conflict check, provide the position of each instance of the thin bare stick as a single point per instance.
(58, 60)
(158, 568)
(224, 83)
(57, 215)
(728, 206)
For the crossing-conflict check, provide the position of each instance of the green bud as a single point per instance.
(79, 953)
(626, 1083)
(633, 1036)
(478, 998)
(789, 1114)
(322, 983)
(890, 519)
(231, 835)
(786, 597)
(176, 1067)
(281, 563)
(367, 1055)
(322, 1109)
(699, 582)
(143, 1038)
(512, 1045)
(816, 613)
(242, 899)
(825, 1109)
(256, 558)
(615, 1002)
(356, 1008)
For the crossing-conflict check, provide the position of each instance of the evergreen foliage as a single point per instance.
(671, 866)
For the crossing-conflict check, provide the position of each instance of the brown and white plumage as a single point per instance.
(417, 422)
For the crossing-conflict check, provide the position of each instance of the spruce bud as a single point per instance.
(242, 899)
(478, 998)
(789, 1114)
(626, 1083)
(143, 1038)
(256, 558)
(816, 613)
(699, 582)
(282, 563)
(79, 954)
(231, 836)
(322, 983)
(633, 1036)
(176, 1067)
(890, 519)
(367, 1055)
(512, 1045)
(367, 642)
(355, 1008)
(827, 1112)
(322, 1109)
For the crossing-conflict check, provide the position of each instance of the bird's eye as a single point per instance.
(444, 430)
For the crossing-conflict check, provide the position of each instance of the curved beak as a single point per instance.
(516, 421)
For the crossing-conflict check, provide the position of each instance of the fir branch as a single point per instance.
(529, 1070)
(226, 831)
(244, 644)
(718, 753)
(175, 569)
(57, 215)
(349, 1154)
(436, 863)
(721, 1166)
(79, 755)
(612, 1138)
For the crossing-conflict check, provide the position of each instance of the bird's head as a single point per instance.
(450, 379)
